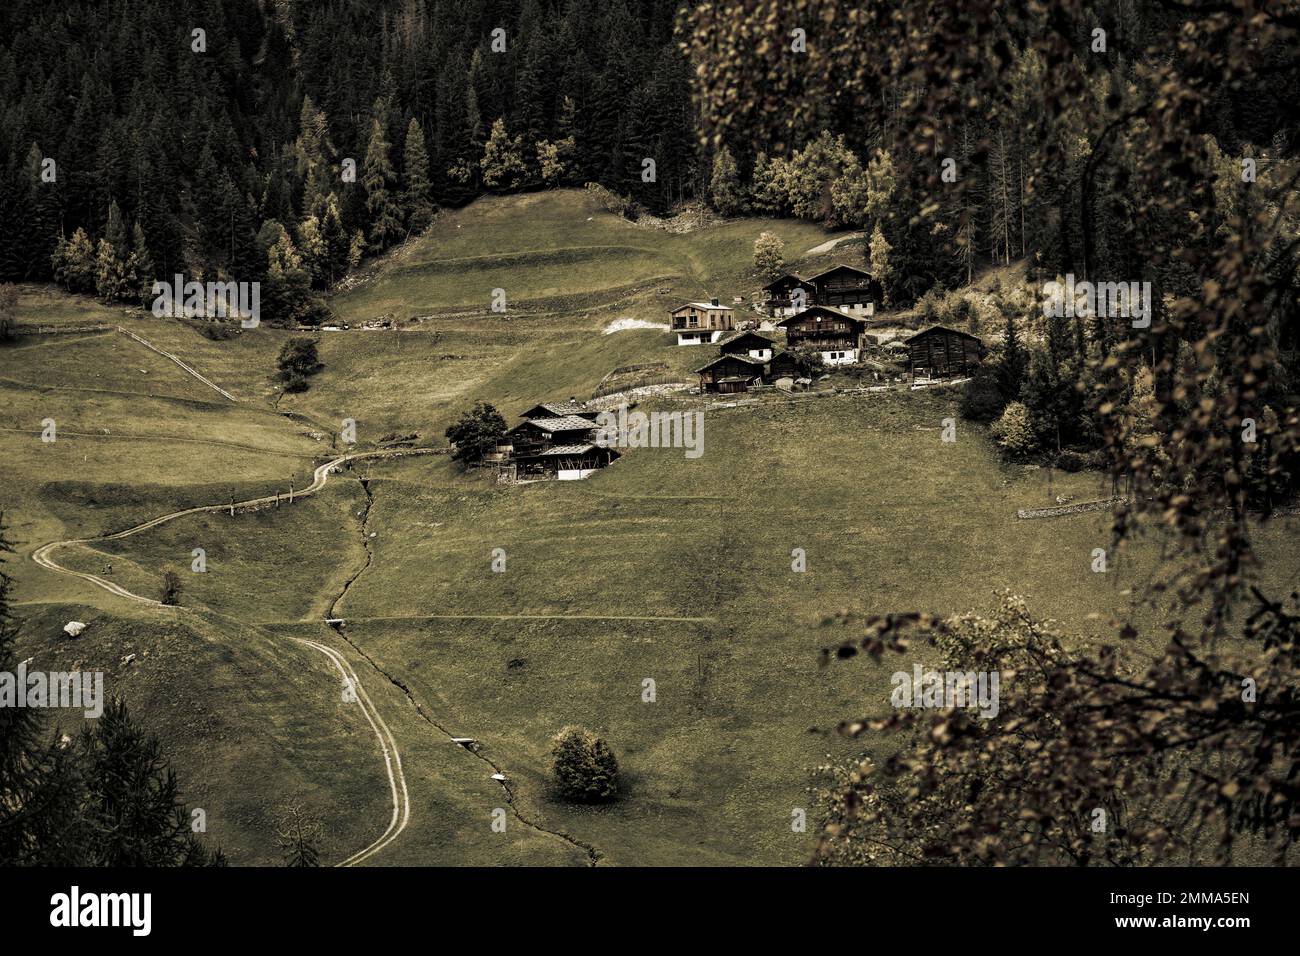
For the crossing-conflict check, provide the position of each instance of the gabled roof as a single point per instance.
(943, 328)
(565, 423)
(789, 275)
(842, 266)
(702, 305)
(758, 363)
(558, 409)
(830, 310)
(748, 333)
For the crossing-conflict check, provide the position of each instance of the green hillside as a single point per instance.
(659, 568)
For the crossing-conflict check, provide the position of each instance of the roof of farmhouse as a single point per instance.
(559, 409)
(564, 423)
(942, 328)
(749, 360)
(838, 268)
(751, 334)
(702, 305)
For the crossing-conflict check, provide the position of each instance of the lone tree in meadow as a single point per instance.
(769, 254)
(585, 769)
(298, 360)
(479, 431)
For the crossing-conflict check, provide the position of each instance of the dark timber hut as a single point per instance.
(941, 352)
(730, 373)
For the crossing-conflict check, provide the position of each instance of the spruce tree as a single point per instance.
(1011, 369)
(114, 280)
(40, 788)
(415, 172)
(378, 179)
(141, 265)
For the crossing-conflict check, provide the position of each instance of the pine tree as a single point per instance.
(336, 241)
(40, 788)
(39, 229)
(114, 281)
(724, 185)
(135, 816)
(141, 264)
(378, 179)
(415, 172)
(1011, 370)
(313, 154)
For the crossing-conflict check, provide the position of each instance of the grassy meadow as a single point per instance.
(658, 569)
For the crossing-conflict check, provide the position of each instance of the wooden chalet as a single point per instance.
(749, 343)
(537, 434)
(733, 372)
(727, 374)
(701, 323)
(555, 440)
(848, 289)
(940, 352)
(838, 336)
(781, 298)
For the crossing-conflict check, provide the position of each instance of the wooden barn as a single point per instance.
(700, 323)
(748, 343)
(780, 297)
(940, 352)
(838, 336)
(730, 373)
(737, 371)
(847, 288)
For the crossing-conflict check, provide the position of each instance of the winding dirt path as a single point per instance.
(392, 757)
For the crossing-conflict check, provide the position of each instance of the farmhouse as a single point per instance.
(837, 335)
(698, 323)
(788, 295)
(748, 343)
(555, 440)
(847, 288)
(940, 352)
(736, 371)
